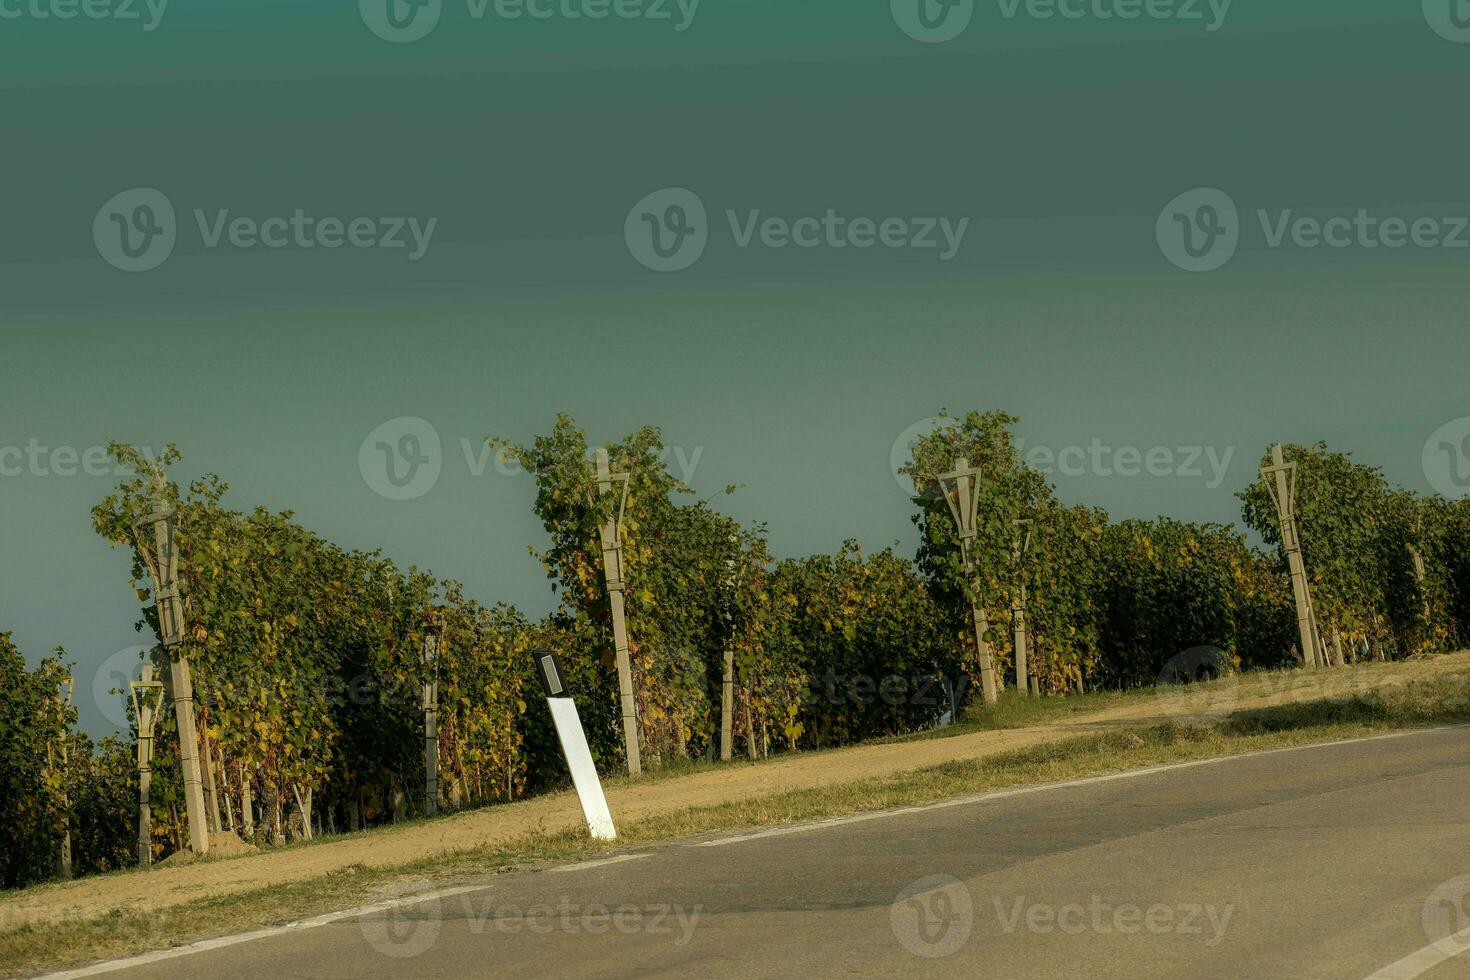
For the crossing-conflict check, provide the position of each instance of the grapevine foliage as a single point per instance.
(309, 662)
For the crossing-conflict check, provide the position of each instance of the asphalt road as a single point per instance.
(1330, 862)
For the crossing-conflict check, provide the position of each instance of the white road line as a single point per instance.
(583, 865)
(1422, 961)
(205, 945)
(1047, 787)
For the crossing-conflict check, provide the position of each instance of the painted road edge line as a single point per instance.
(220, 942)
(584, 865)
(1421, 961)
(205, 945)
(1046, 787)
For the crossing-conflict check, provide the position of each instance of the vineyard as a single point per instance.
(314, 667)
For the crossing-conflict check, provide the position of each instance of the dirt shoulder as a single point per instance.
(163, 887)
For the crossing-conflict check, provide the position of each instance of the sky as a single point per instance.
(303, 243)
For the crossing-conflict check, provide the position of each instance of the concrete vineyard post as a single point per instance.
(183, 698)
(60, 758)
(1419, 576)
(147, 697)
(1019, 549)
(162, 557)
(247, 804)
(1280, 479)
(727, 699)
(431, 721)
(1023, 666)
(733, 579)
(751, 748)
(612, 568)
(961, 492)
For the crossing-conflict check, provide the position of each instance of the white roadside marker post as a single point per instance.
(574, 745)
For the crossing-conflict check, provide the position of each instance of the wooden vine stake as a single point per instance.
(727, 705)
(227, 798)
(211, 790)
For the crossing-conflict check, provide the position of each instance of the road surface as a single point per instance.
(1340, 861)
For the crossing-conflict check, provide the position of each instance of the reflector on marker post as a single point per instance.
(574, 744)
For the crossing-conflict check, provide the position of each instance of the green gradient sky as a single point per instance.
(791, 372)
